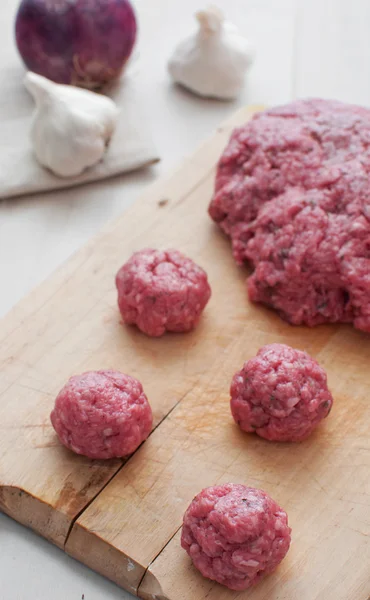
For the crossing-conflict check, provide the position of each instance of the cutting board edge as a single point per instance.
(39, 516)
(88, 548)
(150, 587)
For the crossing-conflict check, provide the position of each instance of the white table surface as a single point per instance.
(303, 48)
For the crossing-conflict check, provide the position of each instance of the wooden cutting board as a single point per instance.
(123, 518)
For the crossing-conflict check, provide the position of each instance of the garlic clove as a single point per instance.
(71, 128)
(213, 61)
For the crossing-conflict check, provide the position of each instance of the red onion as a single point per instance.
(79, 42)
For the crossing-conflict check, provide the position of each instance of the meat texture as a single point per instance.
(235, 534)
(281, 394)
(102, 414)
(162, 291)
(293, 193)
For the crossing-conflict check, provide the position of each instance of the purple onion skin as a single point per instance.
(78, 42)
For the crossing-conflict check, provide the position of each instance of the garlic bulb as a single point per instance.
(71, 127)
(213, 61)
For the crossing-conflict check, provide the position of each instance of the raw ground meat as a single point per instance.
(293, 193)
(235, 534)
(281, 394)
(162, 291)
(102, 414)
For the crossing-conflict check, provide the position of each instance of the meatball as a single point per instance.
(292, 192)
(102, 414)
(235, 534)
(281, 394)
(162, 291)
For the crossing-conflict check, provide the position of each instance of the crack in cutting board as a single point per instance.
(123, 519)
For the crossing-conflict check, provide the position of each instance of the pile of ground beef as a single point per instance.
(235, 534)
(162, 290)
(293, 193)
(281, 394)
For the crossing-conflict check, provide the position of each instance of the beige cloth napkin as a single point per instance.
(131, 146)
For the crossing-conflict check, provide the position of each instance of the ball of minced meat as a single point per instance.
(281, 394)
(102, 414)
(162, 291)
(235, 534)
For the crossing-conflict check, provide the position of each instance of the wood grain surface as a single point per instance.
(140, 511)
(323, 483)
(130, 531)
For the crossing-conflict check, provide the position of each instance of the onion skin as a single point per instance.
(78, 42)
